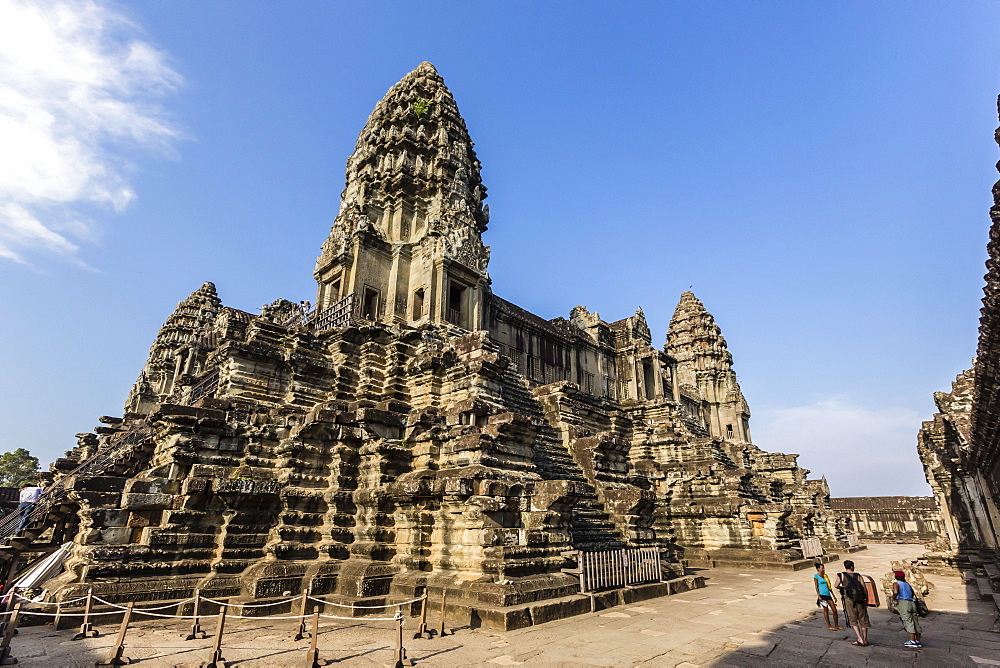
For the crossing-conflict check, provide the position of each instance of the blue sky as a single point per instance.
(819, 174)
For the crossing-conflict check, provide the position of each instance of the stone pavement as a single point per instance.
(742, 618)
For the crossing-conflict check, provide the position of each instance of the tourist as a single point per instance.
(855, 597)
(906, 606)
(26, 502)
(824, 597)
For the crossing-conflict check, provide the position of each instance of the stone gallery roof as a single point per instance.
(883, 502)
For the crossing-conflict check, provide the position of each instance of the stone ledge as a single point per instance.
(796, 565)
(515, 617)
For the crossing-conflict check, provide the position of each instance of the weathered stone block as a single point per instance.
(196, 486)
(115, 535)
(98, 483)
(147, 501)
(109, 517)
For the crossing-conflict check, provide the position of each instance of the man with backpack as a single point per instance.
(855, 597)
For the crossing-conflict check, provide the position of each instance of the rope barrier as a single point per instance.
(137, 611)
(116, 656)
(368, 607)
(147, 611)
(67, 614)
(169, 605)
(294, 598)
(159, 607)
(247, 605)
(70, 602)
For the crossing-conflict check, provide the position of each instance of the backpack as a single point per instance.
(854, 589)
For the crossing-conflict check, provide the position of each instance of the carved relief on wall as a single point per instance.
(460, 244)
(350, 221)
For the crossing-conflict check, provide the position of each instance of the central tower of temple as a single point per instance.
(406, 246)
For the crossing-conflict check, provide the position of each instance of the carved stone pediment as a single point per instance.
(461, 245)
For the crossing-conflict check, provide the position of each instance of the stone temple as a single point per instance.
(960, 446)
(416, 432)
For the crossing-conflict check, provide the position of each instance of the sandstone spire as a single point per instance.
(695, 341)
(415, 150)
(413, 198)
(704, 362)
(176, 350)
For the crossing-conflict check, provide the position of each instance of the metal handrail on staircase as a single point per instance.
(57, 491)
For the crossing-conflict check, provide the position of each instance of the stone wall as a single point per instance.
(891, 519)
(960, 446)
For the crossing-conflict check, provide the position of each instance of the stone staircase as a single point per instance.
(54, 507)
(984, 575)
(592, 528)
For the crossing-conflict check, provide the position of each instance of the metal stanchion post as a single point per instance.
(400, 659)
(312, 656)
(444, 601)
(116, 658)
(302, 633)
(196, 632)
(422, 631)
(86, 628)
(216, 660)
(58, 617)
(5, 657)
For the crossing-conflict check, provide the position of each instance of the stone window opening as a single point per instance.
(470, 418)
(418, 303)
(517, 357)
(648, 379)
(729, 431)
(369, 306)
(330, 293)
(456, 304)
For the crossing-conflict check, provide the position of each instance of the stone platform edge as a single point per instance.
(529, 614)
(796, 565)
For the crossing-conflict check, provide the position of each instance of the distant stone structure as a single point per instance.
(891, 519)
(960, 447)
(417, 432)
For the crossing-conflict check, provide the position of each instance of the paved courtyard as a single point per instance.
(742, 618)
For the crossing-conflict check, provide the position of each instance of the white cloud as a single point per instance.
(862, 451)
(78, 89)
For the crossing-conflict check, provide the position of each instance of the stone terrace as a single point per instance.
(742, 618)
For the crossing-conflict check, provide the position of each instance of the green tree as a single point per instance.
(17, 468)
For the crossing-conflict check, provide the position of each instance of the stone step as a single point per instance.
(590, 525)
(985, 588)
